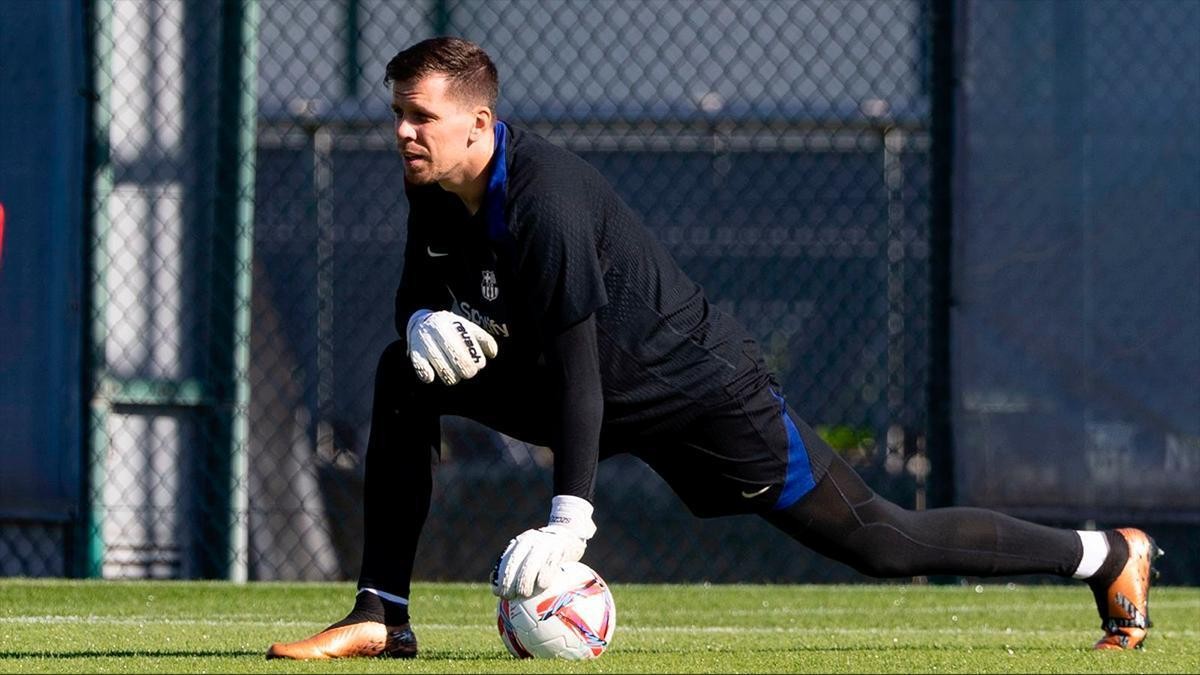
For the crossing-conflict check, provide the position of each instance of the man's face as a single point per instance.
(433, 130)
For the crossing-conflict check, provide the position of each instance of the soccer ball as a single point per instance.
(573, 619)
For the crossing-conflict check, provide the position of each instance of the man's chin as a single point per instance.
(417, 177)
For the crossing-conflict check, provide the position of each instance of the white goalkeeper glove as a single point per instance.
(445, 345)
(533, 560)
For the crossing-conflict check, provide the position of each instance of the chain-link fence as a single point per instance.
(1071, 329)
(249, 227)
(1078, 270)
(170, 304)
(779, 150)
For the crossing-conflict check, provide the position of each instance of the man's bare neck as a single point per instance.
(473, 187)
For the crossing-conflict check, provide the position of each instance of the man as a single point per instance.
(534, 301)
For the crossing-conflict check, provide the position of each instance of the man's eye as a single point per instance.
(413, 117)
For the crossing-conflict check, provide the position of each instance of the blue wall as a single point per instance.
(42, 132)
(1077, 261)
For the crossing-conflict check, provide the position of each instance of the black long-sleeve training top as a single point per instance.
(565, 276)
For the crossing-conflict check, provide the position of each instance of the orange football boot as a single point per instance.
(365, 639)
(1125, 605)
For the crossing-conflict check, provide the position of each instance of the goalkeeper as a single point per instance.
(533, 301)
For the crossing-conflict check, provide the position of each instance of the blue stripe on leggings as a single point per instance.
(799, 471)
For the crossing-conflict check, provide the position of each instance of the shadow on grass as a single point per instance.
(234, 653)
(124, 654)
(437, 656)
(817, 649)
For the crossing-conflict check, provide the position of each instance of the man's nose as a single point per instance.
(404, 130)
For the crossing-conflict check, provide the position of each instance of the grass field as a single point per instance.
(77, 627)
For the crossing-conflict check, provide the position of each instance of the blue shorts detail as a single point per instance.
(799, 472)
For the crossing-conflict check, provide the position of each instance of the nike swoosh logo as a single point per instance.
(752, 495)
(434, 254)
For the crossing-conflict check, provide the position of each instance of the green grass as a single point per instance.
(69, 626)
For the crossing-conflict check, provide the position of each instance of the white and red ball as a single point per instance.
(573, 619)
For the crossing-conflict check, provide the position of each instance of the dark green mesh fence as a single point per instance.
(780, 150)
(1077, 268)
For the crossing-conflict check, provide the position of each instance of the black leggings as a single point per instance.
(842, 518)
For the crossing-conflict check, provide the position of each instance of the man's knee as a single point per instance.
(394, 356)
(402, 418)
(395, 381)
(883, 545)
(878, 550)
(395, 367)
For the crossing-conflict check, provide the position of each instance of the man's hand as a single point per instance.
(447, 346)
(533, 560)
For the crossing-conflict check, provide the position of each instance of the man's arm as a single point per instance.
(574, 362)
(561, 283)
(533, 559)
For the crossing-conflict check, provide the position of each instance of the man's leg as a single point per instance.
(403, 446)
(398, 481)
(842, 518)
(405, 436)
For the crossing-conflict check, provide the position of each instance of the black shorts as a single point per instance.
(744, 454)
(753, 455)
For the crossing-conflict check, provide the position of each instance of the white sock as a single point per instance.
(1095, 551)
(386, 596)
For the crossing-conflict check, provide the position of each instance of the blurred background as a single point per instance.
(965, 232)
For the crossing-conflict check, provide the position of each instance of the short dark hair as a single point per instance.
(469, 70)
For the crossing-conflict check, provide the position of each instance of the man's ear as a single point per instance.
(483, 122)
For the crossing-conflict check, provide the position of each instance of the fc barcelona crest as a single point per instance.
(488, 287)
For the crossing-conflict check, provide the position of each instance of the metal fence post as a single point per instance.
(233, 238)
(943, 95)
(440, 17)
(89, 546)
(350, 32)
